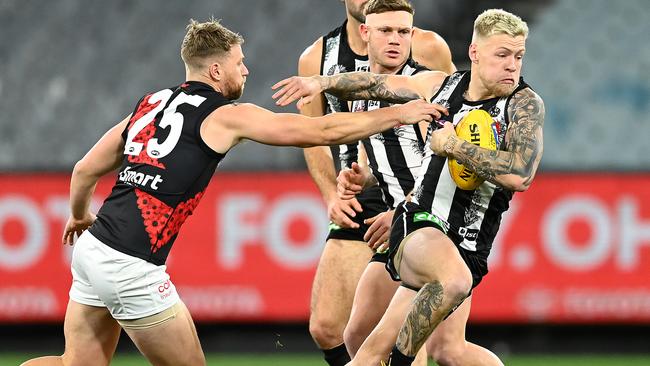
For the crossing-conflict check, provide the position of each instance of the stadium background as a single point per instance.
(569, 272)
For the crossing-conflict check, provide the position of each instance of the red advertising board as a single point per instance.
(574, 248)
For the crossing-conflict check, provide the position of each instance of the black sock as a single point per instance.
(337, 356)
(397, 358)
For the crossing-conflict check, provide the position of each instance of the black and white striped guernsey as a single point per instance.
(394, 155)
(472, 216)
(338, 57)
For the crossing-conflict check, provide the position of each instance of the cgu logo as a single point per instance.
(165, 286)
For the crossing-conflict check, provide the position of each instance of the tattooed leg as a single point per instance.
(422, 319)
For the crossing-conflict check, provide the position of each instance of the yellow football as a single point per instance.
(478, 128)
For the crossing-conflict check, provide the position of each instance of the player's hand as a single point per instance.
(76, 226)
(350, 182)
(340, 212)
(419, 110)
(379, 231)
(297, 87)
(445, 135)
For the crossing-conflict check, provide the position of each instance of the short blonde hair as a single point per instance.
(207, 39)
(498, 21)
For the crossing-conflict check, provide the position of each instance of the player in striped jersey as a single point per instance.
(393, 158)
(441, 240)
(345, 254)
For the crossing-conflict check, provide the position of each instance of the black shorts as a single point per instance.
(381, 257)
(372, 202)
(410, 217)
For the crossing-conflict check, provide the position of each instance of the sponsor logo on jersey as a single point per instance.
(364, 68)
(132, 177)
(468, 234)
(425, 216)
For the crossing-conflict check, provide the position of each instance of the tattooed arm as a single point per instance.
(360, 86)
(368, 86)
(515, 168)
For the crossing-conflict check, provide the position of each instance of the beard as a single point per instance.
(358, 14)
(237, 94)
(234, 92)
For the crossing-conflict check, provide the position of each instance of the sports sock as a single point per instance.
(397, 358)
(337, 356)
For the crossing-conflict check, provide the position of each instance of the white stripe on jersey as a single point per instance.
(444, 194)
(475, 213)
(409, 150)
(331, 67)
(331, 57)
(413, 160)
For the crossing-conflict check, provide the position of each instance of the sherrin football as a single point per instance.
(478, 128)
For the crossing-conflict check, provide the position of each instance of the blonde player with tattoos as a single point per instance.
(440, 240)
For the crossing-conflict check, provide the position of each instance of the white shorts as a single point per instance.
(130, 287)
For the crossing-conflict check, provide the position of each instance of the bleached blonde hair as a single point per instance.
(498, 21)
(207, 39)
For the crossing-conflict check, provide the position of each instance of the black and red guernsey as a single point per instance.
(165, 170)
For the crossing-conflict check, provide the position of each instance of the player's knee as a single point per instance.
(458, 285)
(457, 289)
(446, 353)
(326, 332)
(454, 290)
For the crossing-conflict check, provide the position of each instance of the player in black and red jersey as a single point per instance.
(166, 152)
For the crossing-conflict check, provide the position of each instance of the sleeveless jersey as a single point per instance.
(338, 57)
(473, 217)
(394, 155)
(165, 170)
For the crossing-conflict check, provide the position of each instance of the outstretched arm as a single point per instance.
(514, 168)
(228, 125)
(368, 86)
(359, 85)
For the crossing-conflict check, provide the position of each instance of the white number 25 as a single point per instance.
(170, 118)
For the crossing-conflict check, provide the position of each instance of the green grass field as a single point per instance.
(315, 360)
